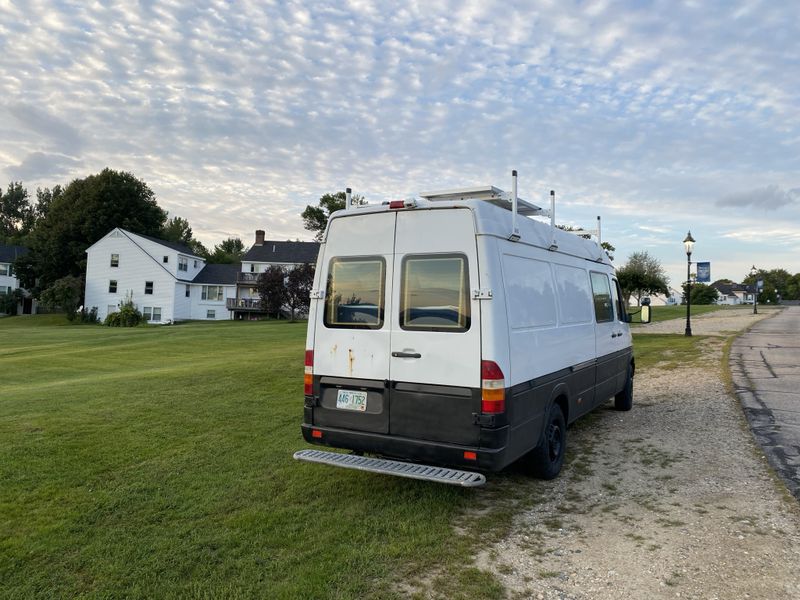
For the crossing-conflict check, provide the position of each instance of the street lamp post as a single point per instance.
(688, 244)
(754, 274)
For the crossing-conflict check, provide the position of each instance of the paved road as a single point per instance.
(765, 364)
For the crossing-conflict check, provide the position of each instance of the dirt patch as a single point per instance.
(670, 500)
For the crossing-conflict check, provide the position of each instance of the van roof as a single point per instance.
(494, 220)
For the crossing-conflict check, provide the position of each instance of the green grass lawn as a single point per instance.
(157, 462)
(665, 313)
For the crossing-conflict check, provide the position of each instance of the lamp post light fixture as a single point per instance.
(754, 274)
(689, 244)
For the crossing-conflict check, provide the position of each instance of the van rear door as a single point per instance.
(435, 327)
(351, 338)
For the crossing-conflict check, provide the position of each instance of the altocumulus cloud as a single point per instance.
(770, 197)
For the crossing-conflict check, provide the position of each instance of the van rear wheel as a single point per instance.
(546, 459)
(624, 400)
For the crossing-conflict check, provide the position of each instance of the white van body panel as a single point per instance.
(348, 352)
(447, 358)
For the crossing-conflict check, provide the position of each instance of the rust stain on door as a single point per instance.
(350, 359)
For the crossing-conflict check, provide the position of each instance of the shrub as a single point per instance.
(127, 316)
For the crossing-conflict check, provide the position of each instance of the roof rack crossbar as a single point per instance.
(490, 194)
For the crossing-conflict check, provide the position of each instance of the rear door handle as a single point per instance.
(406, 354)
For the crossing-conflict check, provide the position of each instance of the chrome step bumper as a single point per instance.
(392, 467)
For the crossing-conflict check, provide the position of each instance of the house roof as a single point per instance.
(9, 254)
(177, 246)
(729, 289)
(218, 274)
(283, 252)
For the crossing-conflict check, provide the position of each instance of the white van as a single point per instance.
(445, 330)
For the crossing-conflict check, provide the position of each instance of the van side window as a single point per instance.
(603, 309)
(434, 293)
(355, 295)
(616, 292)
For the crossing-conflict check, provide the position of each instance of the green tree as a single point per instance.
(229, 251)
(702, 293)
(271, 286)
(10, 302)
(17, 216)
(44, 199)
(84, 212)
(177, 229)
(642, 275)
(298, 288)
(64, 294)
(315, 218)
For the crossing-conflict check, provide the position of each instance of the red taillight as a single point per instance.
(470, 455)
(394, 204)
(493, 394)
(316, 433)
(308, 377)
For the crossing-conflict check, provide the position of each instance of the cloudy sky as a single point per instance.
(660, 116)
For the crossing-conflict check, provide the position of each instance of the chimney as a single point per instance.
(259, 237)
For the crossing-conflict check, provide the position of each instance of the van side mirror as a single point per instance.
(645, 313)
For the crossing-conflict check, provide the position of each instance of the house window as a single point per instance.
(188, 290)
(213, 292)
(148, 287)
(166, 259)
(3, 291)
(156, 313)
(112, 286)
(195, 264)
(147, 313)
(183, 264)
(252, 268)
(115, 260)
(211, 314)
(5, 269)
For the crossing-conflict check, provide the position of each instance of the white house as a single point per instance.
(9, 282)
(168, 282)
(733, 293)
(264, 254)
(159, 276)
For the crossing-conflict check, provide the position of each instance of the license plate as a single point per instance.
(351, 400)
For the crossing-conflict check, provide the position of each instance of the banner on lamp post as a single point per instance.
(704, 272)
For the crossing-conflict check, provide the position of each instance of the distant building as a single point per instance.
(9, 282)
(264, 254)
(733, 293)
(168, 282)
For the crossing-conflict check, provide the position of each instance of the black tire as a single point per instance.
(624, 400)
(546, 459)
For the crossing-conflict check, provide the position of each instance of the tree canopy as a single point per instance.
(177, 229)
(85, 211)
(229, 251)
(315, 218)
(271, 288)
(702, 294)
(641, 276)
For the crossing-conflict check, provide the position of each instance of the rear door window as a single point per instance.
(603, 308)
(434, 293)
(355, 293)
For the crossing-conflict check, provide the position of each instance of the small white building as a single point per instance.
(9, 282)
(159, 276)
(733, 293)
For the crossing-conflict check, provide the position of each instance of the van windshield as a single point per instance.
(434, 293)
(355, 294)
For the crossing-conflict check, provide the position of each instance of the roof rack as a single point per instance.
(490, 194)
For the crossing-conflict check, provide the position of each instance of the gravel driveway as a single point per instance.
(671, 500)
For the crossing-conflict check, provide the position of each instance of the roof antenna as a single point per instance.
(514, 237)
(553, 245)
(347, 198)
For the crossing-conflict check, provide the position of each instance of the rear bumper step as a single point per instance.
(392, 467)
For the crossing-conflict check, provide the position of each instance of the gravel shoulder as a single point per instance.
(671, 500)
